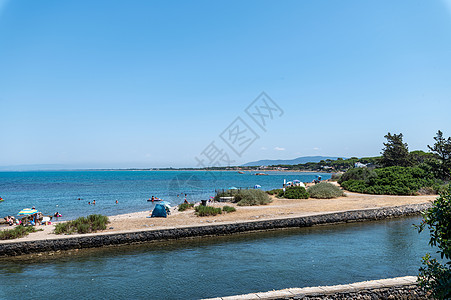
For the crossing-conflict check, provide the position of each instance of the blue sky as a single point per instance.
(153, 83)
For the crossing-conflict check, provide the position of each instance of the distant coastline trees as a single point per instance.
(400, 172)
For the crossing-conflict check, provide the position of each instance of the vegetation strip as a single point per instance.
(111, 239)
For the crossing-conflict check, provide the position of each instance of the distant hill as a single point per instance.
(296, 161)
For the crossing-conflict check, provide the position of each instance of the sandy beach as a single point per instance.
(277, 209)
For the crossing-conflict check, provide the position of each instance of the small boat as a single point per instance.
(260, 174)
(154, 200)
(240, 172)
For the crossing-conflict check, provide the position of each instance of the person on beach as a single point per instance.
(186, 201)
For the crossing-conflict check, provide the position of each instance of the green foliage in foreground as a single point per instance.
(203, 211)
(434, 276)
(295, 192)
(185, 206)
(17, 232)
(389, 181)
(325, 190)
(228, 209)
(252, 197)
(91, 223)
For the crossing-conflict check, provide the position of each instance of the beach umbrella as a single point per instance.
(27, 212)
(257, 186)
(233, 188)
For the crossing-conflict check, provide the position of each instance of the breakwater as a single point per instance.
(102, 240)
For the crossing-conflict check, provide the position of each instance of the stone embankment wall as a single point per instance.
(100, 240)
(392, 288)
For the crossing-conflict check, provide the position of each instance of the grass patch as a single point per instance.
(91, 223)
(203, 211)
(185, 206)
(325, 190)
(295, 192)
(17, 232)
(228, 209)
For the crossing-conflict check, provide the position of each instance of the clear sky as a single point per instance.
(152, 83)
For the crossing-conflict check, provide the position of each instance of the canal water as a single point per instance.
(223, 266)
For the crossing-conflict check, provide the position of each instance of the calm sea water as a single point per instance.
(222, 266)
(58, 191)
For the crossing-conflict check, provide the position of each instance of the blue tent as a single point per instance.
(159, 211)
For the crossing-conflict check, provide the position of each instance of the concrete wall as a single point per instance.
(93, 241)
(391, 288)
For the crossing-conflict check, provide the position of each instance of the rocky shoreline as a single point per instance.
(125, 238)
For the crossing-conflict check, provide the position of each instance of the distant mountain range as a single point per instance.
(296, 161)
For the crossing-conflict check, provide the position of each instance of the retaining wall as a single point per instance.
(101, 240)
(391, 288)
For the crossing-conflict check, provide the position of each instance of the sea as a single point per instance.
(195, 268)
(70, 192)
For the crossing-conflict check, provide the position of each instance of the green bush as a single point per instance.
(357, 174)
(228, 209)
(252, 197)
(336, 176)
(295, 192)
(246, 197)
(435, 275)
(203, 211)
(274, 192)
(17, 232)
(392, 181)
(325, 190)
(185, 206)
(227, 193)
(91, 223)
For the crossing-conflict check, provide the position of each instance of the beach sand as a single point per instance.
(279, 208)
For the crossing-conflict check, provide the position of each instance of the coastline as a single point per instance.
(107, 239)
(277, 209)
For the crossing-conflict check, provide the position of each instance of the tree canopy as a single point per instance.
(395, 152)
(442, 152)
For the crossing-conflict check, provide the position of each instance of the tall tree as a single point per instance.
(442, 152)
(395, 152)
